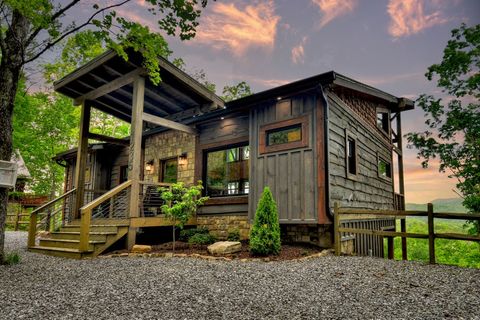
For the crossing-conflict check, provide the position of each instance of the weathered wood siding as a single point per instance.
(119, 160)
(219, 133)
(368, 190)
(290, 174)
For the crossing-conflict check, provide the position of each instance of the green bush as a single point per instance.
(265, 232)
(12, 258)
(186, 234)
(234, 235)
(202, 239)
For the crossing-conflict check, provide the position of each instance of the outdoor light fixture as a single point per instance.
(182, 160)
(149, 166)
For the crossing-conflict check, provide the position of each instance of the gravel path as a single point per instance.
(43, 287)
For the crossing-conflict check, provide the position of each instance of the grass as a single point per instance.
(12, 258)
(451, 252)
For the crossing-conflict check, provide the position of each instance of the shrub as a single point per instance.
(234, 235)
(186, 234)
(12, 258)
(265, 232)
(202, 239)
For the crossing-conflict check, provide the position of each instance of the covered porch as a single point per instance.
(122, 89)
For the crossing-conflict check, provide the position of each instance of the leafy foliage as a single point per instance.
(186, 234)
(202, 239)
(12, 258)
(240, 90)
(453, 134)
(234, 235)
(265, 232)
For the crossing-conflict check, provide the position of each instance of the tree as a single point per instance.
(265, 232)
(30, 28)
(181, 203)
(240, 90)
(453, 134)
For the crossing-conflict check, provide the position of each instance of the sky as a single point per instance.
(388, 44)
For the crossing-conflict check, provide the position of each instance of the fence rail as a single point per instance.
(346, 214)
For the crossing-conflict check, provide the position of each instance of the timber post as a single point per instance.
(86, 216)
(135, 154)
(32, 229)
(431, 234)
(401, 183)
(81, 157)
(336, 224)
(403, 229)
(390, 248)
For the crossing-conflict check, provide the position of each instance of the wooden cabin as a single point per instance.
(316, 141)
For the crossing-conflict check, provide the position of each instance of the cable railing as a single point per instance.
(50, 217)
(151, 198)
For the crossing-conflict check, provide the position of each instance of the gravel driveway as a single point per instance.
(43, 287)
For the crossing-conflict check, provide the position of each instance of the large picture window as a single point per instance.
(226, 171)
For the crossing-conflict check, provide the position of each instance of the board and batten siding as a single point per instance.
(290, 174)
(367, 190)
(220, 133)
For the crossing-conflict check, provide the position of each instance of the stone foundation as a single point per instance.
(221, 225)
(319, 235)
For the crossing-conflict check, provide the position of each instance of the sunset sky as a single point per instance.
(387, 44)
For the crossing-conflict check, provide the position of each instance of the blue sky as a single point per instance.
(388, 44)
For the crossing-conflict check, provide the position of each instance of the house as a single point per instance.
(316, 141)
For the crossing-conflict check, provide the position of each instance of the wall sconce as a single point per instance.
(149, 166)
(182, 160)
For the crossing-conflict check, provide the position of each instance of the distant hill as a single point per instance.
(440, 205)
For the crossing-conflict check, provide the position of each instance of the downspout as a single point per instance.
(327, 154)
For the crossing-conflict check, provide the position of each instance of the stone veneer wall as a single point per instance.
(167, 145)
(318, 235)
(221, 225)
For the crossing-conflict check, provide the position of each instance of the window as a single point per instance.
(351, 160)
(384, 169)
(226, 171)
(123, 174)
(383, 120)
(284, 135)
(169, 170)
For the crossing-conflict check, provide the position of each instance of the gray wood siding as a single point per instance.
(290, 174)
(367, 190)
(121, 159)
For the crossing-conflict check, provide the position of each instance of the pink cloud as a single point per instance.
(238, 29)
(408, 17)
(298, 52)
(332, 9)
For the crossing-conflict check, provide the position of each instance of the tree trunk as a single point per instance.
(10, 69)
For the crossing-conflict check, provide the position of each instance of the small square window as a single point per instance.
(284, 135)
(351, 160)
(384, 169)
(383, 120)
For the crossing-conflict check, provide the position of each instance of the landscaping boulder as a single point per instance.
(139, 248)
(224, 247)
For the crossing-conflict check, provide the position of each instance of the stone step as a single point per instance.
(61, 252)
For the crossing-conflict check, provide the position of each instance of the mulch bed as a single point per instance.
(288, 252)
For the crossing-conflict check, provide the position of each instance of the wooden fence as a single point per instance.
(17, 218)
(346, 214)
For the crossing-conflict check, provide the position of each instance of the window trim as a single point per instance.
(204, 156)
(262, 142)
(387, 111)
(389, 163)
(350, 135)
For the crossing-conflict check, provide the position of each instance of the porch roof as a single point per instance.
(107, 81)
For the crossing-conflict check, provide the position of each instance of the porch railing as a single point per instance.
(115, 204)
(50, 216)
(150, 198)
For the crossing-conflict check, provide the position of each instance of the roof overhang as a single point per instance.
(107, 83)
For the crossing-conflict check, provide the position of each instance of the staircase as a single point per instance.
(104, 221)
(66, 241)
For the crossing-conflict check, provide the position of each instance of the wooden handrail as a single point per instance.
(53, 201)
(107, 195)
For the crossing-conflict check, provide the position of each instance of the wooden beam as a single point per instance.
(101, 137)
(168, 123)
(135, 156)
(81, 157)
(110, 86)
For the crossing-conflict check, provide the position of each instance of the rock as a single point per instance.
(43, 234)
(224, 247)
(139, 248)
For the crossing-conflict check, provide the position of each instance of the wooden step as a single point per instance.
(75, 235)
(61, 252)
(68, 244)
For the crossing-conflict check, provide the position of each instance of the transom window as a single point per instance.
(226, 171)
(284, 135)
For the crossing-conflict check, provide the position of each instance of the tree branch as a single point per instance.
(66, 34)
(55, 16)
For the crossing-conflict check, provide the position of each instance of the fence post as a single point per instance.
(403, 228)
(17, 219)
(431, 234)
(32, 229)
(391, 249)
(336, 233)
